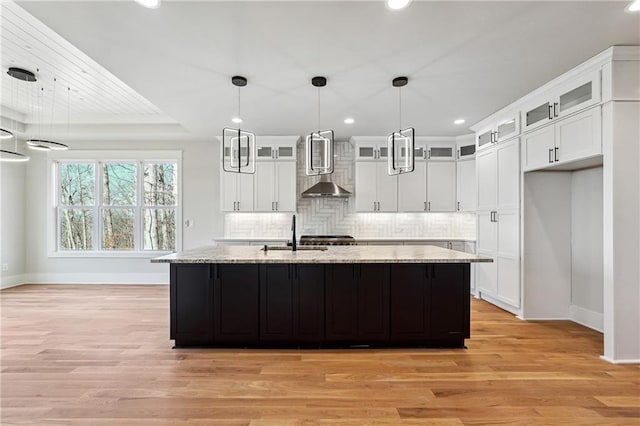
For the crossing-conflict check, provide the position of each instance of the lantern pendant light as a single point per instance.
(401, 143)
(5, 134)
(238, 146)
(320, 141)
(41, 144)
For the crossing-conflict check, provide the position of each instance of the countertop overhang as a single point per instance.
(333, 254)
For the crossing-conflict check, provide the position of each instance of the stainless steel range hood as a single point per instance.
(326, 189)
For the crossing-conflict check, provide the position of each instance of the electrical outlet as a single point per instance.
(5, 267)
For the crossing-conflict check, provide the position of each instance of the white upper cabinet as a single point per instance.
(412, 189)
(236, 192)
(502, 129)
(575, 95)
(441, 151)
(273, 150)
(466, 151)
(466, 186)
(376, 191)
(487, 173)
(571, 139)
(275, 186)
(441, 186)
(375, 150)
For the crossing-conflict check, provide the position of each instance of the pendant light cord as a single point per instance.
(68, 109)
(319, 128)
(53, 107)
(400, 107)
(239, 116)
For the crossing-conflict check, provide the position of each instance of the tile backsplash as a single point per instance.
(337, 216)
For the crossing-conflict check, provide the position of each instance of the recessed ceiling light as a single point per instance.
(397, 4)
(349, 120)
(151, 4)
(634, 6)
(459, 121)
(237, 120)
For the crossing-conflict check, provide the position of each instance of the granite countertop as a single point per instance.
(362, 239)
(334, 254)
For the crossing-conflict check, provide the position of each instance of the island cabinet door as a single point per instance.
(410, 303)
(191, 289)
(450, 302)
(236, 303)
(276, 302)
(373, 302)
(308, 306)
(341, 302)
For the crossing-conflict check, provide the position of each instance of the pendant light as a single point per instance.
(41, 144)
(8, 155)
(238, 146)
(321, 140)
(401, 143)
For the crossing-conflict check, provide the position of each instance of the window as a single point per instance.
(115, 205)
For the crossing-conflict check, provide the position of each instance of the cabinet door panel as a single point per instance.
(236, 303)
(579, 93)
(487, 173)
(508, 224)
(466, 185)
(387, 189)
(286, 186)
(441, 186)
(487, 233)
(538, 148)
(509, 175)
(191, 304)
(366, 186)
(228, 191)
(450, 301)
(579, 136)
(341, 303)
(276, 303)
(537, 113)
(265, 178)
(410, 302)
(373, 302)
(509, 280)
(308, 308)
(245, 192)
(487, 274)
(412, 189)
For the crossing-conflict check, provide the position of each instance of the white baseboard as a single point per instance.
(500, 304)
(12, 281)
(620, 361)
(586, 317)
(99, 278)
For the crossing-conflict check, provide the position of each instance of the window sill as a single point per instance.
(108, 254)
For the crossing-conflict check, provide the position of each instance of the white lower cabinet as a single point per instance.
(376, 191)
(570, 139)
(236, 191)
(441, 186)
(412, 189)
(487, 274)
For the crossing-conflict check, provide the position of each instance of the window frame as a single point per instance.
(99, 158)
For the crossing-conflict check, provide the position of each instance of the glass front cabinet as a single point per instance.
(575, 95)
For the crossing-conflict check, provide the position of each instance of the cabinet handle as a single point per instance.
(238, 205)
(557, 157)
(429, 155)
(550, 112)
(277, 206)
(378, 205)
(425, 206)
(374, 206)
(555, 109)
(272, 209)
(458, 154)
(429, 206)
(551, 155)
(458, 205)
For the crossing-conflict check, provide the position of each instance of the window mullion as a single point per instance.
(98, 207)
(137, 217)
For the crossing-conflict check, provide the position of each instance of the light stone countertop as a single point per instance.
(334, 254)
(361, 239)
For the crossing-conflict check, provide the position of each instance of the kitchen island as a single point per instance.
(344, 296)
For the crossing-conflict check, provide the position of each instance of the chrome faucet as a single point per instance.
(293, 231)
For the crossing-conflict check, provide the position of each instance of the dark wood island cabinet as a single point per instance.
(320, 305)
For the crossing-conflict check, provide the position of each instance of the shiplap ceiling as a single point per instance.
(69, 81)
(463, 59)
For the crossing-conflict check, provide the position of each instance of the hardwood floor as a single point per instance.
(101, 355)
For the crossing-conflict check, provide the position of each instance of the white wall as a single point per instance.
(12, 224)
(200, 201)
(586, 247)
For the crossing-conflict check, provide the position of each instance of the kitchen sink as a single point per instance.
(288, 248)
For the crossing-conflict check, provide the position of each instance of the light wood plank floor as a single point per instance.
(101, 355)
